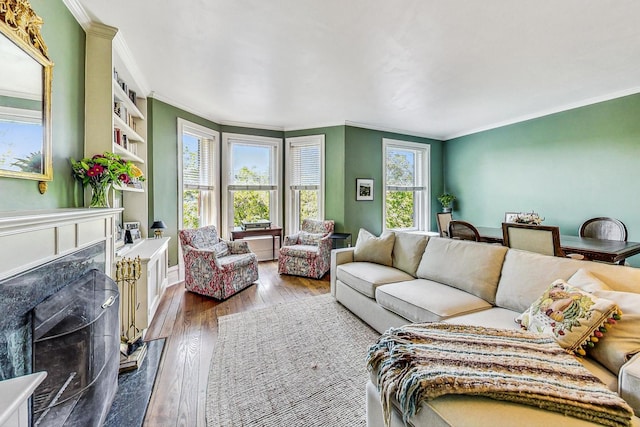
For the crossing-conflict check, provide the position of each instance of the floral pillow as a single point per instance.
(312, 239)
(221, 249)
(575, 318)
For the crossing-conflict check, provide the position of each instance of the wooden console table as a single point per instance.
(238, 233)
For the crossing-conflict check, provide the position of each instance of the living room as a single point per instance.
(568, 160)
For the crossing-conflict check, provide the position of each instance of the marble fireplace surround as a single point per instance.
(58, 245)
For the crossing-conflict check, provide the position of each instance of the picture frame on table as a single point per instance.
(364, 189)
(511, 216)
(134, 230)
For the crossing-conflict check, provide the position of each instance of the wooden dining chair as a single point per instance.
(543, 239)
(443, 219)
(604, 228)
(463, 230)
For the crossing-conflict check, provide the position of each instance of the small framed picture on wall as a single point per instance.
(364, 189)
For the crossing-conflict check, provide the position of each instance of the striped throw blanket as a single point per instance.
(420, 362)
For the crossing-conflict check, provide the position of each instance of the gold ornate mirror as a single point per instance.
(25, 94)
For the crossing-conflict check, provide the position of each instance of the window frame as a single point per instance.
(291, 203)
(423, 208)
(275, 203)
(212, 202)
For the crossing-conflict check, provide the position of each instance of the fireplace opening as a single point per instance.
(76, 340)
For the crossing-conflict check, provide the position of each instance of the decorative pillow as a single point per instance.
(408, 249)
(575, 318)
(312, 239)
(370, 248)
(221, 249)
(238, 246)
(622, 341)
(586, 281)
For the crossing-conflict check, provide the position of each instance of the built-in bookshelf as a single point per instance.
(115, 115)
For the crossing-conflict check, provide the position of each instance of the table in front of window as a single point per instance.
(274, 232)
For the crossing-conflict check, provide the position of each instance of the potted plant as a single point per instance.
(446, 199)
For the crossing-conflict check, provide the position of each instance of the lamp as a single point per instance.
(158, 227)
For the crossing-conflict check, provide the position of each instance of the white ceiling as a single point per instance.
(436, 68)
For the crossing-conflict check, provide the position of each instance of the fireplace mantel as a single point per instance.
(32, 238)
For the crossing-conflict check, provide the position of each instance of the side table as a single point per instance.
(335, 237)
(238, 233)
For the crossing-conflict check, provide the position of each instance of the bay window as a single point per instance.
(198, 161)
(304, 180)
(251, 179)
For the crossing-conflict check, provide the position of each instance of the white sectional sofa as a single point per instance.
(435, 279)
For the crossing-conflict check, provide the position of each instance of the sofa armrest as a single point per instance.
(629, 383)
(339, 256)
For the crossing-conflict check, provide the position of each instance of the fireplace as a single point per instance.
(76, 340)
(48, 251)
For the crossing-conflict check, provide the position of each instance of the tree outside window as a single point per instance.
(405, 169)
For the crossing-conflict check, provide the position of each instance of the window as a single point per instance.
(199, 180)
(406, 184)
(305, 180)
(251, 179)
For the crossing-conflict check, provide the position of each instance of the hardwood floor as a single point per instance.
(189, 323)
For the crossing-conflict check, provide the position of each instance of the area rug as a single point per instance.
(294, 364)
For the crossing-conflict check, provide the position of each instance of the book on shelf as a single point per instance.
(123, 85)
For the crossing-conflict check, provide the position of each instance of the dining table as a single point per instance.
(612, 251)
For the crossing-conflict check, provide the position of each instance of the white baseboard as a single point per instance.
(174, 275)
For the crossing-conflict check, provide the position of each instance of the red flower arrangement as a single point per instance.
(103, 171)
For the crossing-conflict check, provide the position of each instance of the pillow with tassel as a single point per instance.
(575, 318)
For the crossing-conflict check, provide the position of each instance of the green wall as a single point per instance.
(162, 167)
(65, 40)
(568, 167)
(162, 138)
(334, 140)
(363, 159)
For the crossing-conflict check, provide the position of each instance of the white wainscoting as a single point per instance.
(31, 238)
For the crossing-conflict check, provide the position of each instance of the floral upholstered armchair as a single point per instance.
(215, 267)
(308, 252)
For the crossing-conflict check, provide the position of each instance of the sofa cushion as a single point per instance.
(300, 251)
(370, 248)
(572, 316)
(495, 317)
(423, 300)
(470, 266)
(525, 276)
(407, 251)
(365, 277)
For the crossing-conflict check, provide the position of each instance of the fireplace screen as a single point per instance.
(76, 340)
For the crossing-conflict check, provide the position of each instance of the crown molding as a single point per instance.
(548, 112)
(119, 44)
(122, 50)
(79, 13)
(393, 130)
(251, 125)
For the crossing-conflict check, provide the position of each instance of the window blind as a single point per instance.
(196, 170)
(305, 166)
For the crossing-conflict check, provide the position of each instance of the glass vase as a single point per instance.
(99, 192)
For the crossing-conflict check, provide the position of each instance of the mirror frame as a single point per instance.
(21, 25)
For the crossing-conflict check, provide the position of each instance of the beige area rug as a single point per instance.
(294, 364)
